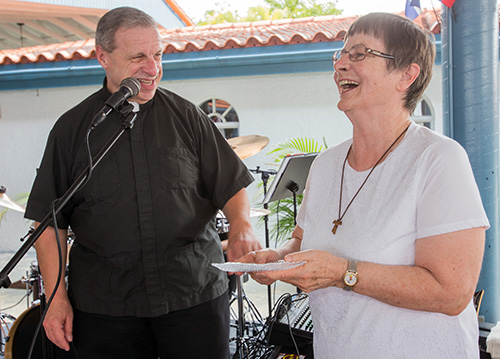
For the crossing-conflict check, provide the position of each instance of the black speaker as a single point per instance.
(484, 331)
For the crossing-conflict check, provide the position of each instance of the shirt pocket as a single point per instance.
(187, 271)
(178, 169)
(103, 186)
(105, 280)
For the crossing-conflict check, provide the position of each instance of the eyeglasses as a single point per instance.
(358, 53)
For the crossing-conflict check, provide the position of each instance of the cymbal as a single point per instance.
(246, 146)
(5, 201)
(257, 212)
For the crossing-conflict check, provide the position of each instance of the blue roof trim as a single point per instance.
(266, 60)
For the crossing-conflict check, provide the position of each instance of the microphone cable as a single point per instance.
(116, 101)
(58, 282)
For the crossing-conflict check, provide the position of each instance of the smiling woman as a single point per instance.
(391, 245)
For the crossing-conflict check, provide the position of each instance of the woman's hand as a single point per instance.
(321, 270)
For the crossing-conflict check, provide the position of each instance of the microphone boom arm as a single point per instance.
(4, 274)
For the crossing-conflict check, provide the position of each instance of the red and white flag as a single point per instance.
(448, 3)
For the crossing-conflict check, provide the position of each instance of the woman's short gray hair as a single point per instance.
(120, 17)
(407, 42)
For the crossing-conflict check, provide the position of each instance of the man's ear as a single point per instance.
(408, 76)
(102, 56)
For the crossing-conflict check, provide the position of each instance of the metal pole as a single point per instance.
(241, 316)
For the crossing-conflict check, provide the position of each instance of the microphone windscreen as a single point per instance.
(132, 84)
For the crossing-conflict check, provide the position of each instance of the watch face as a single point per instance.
(350, 279)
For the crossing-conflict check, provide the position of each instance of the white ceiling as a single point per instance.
(29, 24)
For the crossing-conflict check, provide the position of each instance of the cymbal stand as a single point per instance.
(248, 319)
(241, 317)
(265, 174)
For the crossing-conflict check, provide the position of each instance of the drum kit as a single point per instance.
(244, 147)
(22, 329)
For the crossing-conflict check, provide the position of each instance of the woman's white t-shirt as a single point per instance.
(424, 187)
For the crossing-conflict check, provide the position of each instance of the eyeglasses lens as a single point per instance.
(356, 53)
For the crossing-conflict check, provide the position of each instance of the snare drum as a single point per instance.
(21, 334)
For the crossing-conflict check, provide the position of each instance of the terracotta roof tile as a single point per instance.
(215, 37)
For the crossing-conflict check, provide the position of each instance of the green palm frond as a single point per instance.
(296, 145)
(282, 220)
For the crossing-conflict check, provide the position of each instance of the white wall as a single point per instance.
(278, 106)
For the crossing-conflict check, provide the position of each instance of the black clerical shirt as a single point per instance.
(144, 225)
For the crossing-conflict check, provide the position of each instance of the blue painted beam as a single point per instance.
(470, 103)
(253, 61)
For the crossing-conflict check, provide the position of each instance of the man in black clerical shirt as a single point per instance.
(141, 284)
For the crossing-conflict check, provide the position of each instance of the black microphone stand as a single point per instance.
(265, 177)
(5, 282)
(294, 187)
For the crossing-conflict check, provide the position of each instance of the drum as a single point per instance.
(21, 334)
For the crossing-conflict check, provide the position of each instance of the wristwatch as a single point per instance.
(351, 276)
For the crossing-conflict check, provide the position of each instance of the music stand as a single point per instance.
(290, 179)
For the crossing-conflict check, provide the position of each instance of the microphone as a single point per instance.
(129, 87)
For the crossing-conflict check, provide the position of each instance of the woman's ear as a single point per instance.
(408, 76)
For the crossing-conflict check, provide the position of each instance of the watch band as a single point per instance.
(351, 275)
(352, 266)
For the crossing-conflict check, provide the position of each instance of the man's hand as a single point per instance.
(58, 323)
(241, 241)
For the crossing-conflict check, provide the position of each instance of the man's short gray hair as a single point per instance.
(115, 19)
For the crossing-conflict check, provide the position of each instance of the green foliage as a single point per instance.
(282, 212)
(303, 8)
(295, 145)
(219, 16)
(275, 10)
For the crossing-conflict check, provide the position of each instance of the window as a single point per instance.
(223, 115)
(423, 114)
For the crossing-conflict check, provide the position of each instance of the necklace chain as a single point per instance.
(338, 221)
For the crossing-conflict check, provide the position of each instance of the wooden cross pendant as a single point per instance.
(336, 223)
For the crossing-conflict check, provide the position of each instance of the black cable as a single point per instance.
(58, 281)
(255, 347)
(280, 304)
(59, 250)
(125, 111)
(90, 160)
(291, 335)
